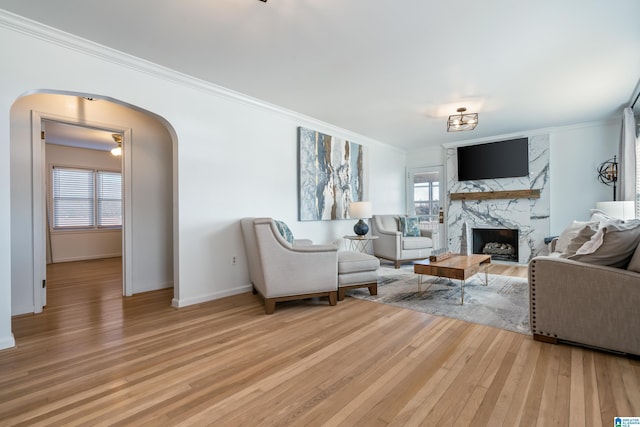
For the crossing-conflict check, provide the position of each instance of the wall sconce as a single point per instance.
(462, 121)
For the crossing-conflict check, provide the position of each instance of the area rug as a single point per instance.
(503, 304)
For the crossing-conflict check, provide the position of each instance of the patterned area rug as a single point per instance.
(503, 304)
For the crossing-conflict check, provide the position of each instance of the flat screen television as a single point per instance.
(502, 159)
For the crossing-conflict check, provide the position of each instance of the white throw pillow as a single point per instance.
(584, 235)
(569, 233)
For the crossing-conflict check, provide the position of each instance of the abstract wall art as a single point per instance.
(330, 176)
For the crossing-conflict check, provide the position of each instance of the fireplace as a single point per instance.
(500, 243)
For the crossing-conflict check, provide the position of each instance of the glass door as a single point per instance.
(424, 196)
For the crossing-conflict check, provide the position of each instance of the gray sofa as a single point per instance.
(578, 298)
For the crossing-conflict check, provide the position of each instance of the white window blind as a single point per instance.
(109, 189)
(85, 198)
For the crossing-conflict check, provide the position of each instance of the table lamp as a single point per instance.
(360, 210)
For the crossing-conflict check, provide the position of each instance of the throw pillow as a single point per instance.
(569, 233)
(600, 216)
(284, 230)
(584, 235)
(410, 226)
(634, 264)
(613, 244)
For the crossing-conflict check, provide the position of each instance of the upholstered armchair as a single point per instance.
(398, 245)
(283, 270)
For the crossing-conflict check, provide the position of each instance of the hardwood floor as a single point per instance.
(96, 358)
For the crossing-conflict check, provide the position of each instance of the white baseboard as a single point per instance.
(184, 302)
(7, 342)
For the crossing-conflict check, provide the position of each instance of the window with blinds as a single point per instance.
(86, 198)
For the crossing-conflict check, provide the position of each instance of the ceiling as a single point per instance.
(389, 70)
(59, 133)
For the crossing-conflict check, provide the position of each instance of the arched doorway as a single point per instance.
(149, 187)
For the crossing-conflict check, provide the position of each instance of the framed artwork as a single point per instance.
(330, 176)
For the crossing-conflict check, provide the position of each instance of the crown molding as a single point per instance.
(70, 41)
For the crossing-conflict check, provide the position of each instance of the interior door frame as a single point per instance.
(39, 193)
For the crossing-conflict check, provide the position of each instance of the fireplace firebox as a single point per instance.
(500, 243)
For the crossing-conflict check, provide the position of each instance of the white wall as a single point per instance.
(233, 157)
(426, 157)
(74, 245)
(576, 153)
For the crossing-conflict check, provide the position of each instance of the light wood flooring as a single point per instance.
(96, 358)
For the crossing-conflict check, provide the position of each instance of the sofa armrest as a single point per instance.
(585, 303)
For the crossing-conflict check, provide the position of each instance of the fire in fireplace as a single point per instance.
(500, 243)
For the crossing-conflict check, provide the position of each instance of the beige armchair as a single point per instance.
(281, 270)
(392, 245)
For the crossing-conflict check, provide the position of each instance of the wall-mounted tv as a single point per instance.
(502, 159)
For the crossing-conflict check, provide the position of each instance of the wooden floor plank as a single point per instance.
(94, 357)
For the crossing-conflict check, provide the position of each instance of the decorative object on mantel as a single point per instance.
(360, 210)
(487, 195)
(462, 121)
(330, 175)
(608, 174)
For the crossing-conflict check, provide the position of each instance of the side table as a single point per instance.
(360, 243)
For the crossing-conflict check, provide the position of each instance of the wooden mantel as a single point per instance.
(487, 195)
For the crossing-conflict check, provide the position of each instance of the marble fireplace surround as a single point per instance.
(515, 203)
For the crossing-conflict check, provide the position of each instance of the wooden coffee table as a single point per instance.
(459, 267)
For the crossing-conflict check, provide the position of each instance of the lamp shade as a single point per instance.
(360, 210)
(622, 209)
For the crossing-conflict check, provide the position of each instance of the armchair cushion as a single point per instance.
(353, 262)
(416, 243)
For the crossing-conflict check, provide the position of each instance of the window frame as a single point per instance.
(96, 227)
